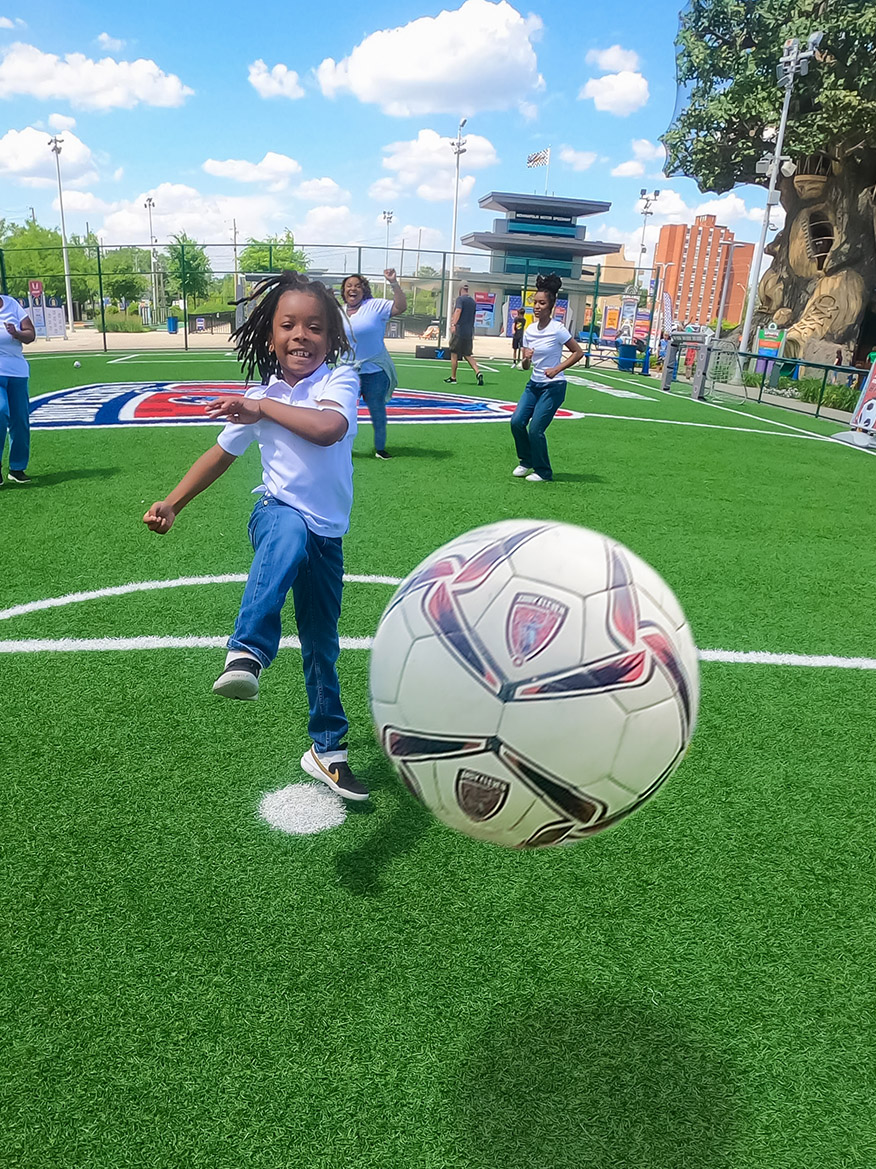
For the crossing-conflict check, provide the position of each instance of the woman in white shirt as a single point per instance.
(365, 320)
(543, 343)
(16, 329)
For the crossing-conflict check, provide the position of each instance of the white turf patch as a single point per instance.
(302, 809)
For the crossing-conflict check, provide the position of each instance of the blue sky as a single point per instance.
(320, 118)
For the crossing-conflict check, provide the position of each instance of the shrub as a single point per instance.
(122, 325)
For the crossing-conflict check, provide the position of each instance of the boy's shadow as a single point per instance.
(360, 870)
(577, 477)
(407, 452)
(55, 477)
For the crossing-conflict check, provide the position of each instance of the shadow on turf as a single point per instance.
(408, 452)
(586, 1083)
(360, 870)
(56, 477)
(577, 477)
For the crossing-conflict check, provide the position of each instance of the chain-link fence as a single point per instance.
(123, 295)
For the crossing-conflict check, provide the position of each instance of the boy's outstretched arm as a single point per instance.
(201, 474)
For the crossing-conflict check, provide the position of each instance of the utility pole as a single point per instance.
(647, 200)
(457, 145)
(792, 63)
(387, 219)
(149, 204)
(56, 143)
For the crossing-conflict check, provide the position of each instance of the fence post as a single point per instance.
(358, 259)
(182, 250)
(441, 300)
(270, 257)
(593, 316)
(821, 394)
(100, 295)
(762, 380)
(3, 287)
(646, 361)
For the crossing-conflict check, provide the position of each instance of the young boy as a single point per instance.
(303, 416)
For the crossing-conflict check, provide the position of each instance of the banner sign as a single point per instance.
(610, 319)
(626, 326)
(561, 310)
(485, 309)
(864, 417)
(770, 341)
(643, 324)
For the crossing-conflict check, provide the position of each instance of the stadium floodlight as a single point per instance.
(55, 145)
(457, 145)
(791, 64)
(647, 200)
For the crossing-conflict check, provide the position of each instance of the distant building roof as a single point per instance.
(544, 204)
(539, 244)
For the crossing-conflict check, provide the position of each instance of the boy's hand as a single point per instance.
(241, 411)
(159, 518)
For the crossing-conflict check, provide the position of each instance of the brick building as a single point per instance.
(694, 265)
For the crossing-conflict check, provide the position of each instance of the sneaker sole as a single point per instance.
(314, 769)
(242, 685)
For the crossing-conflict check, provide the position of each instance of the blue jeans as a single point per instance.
(288, 555)
(538, 403)
(15, 417)
(374, 387)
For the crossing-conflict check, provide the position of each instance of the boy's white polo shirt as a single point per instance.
(315, 480)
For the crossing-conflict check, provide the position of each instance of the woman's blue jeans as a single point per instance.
(15, 417)
(538, 403)
(374, 387)
(288, 555)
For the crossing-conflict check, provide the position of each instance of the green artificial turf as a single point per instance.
(184, 986)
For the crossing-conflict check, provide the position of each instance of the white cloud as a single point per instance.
(477, 57)
(85, 203)
(5, 22)
(111, 44)
(323, 191)
(617, 93)
(274, 171)
(384, 190)
(647, 151)
(87, 84)
(528, 111)
(613, 60)
(577, 159)
(61, 122)
(277, 82)
(26, 158)
(415, 236)
(627, 169)
(329, 225)
(427, 165)
(204, 217)
(118, 174)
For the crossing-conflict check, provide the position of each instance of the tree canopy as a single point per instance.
(729, 99)
(272, 255)
(186, 256)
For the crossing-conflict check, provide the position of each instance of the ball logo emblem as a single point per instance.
(533, 622)
(480, 796)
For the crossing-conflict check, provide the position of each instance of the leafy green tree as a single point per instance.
(126, 273)
(272, 255)
(33, 252)
(186, 257)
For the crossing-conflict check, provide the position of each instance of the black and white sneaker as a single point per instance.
(480, 379)
(239, 679)
(18, 476)
(451, 381)
(334, 771)
(382, 455)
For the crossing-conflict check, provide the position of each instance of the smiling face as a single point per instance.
(354, 292)
(541, 307)
(299, 335)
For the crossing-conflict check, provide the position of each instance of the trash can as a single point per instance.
(173, 324)
(626, 357)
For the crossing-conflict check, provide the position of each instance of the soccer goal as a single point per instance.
(723, 379)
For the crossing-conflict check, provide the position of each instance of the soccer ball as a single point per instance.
(77, 364)
(533, 682)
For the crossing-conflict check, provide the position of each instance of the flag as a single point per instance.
(540, 158)
(668, 317)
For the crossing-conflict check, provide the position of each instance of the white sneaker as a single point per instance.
(534, 478)
(520, 471)
(334, 771)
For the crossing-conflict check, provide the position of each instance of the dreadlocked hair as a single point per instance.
(253, 338)
(367, 294)
(550, 285)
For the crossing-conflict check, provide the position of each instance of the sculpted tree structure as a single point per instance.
(822, 282)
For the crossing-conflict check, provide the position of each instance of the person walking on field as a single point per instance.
(543, 343)
(365, 318)
(16, 329)
(462, 335)
(518, 324)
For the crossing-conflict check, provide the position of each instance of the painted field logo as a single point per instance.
(185, 404)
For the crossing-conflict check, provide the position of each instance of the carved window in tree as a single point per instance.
(820, 237)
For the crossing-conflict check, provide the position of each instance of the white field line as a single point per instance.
(116, 644)
(119, 360)
(708, 426)
(145, 586)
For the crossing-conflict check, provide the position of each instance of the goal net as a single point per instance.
(724, 375)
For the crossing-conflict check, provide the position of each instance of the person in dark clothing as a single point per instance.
(518, 324)
(462, 335)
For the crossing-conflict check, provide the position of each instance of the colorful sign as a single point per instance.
(610, 320)
(561, 310)
(770, 341)
(626, 326)
(485, 310)
(185, 403)
(864, 417)
(643, 324)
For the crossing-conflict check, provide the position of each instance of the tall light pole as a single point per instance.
(792, 63)
(457, 145)
(647, 200)
(56, 143)
(149, 204)
(726, 282)
(387, 219)
(660, 291)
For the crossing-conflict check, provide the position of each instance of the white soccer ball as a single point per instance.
(533, 682)
(77, 364)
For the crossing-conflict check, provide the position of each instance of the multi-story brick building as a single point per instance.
(693, 262)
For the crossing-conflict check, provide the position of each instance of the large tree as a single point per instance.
(189, 265)
(272, 255)
(729, 107)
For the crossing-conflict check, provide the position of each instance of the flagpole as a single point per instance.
(547, 173)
